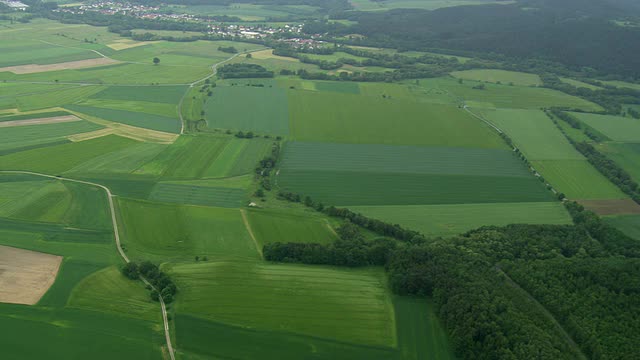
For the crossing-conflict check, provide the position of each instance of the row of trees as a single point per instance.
(351, 249)
(162, 283)
(377, 226)
(236, 71)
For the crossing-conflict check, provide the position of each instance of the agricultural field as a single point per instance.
(371, 5)
(616, 128)
(340, 174)
(448, 220)
(85, 112)
(344, 118)
(499, 77)
(626, 155)
(268, 113)
(314, 301)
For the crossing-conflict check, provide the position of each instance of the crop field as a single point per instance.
(626, 155)
(123, 161)
(153, 108)
(628, 224)
(156, 94)
(612, 206)
(577, 179)
(36, 52)
(579, 84)
(401, 159)
(23, 137)
(530, 128)
(345, 174)
(499, 76)
(271, 226)
(349, 305)
(181, 232)
(103, 336)
(369, 188)
(139, 119)
(344, 118)
(208, 157)
(447, 220)
(68, 155)
(268, 113)
(198, 195)
(108, 291)
(502, 96)
(616, 128)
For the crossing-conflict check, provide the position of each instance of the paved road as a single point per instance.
(114, 221)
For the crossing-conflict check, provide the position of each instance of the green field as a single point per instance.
(198, 195)
(193, 157)
(139, 119)
(447, 220)
(180, 232)
(401, 159)
(372, 5)
(59, 331)
(628, 224)
(348, 305)
(68, 155)
(448, 90)
(579, 84)
(616, 128)
(262, 110)
(13, 139)
(271, 226)
(529, 129)
(158, 94)
(109, 291)
(345, 118)
(122, 161)
(626, 155)
(345, 174)
(499, 76)
(369, 188)
(577, 179)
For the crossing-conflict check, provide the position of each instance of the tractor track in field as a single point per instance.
(124, 257)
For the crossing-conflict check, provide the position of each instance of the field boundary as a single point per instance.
(466, 108)
(124, 257)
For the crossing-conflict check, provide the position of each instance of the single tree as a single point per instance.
(249, 56)
(156, 61)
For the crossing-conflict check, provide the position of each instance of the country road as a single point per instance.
(117, 238)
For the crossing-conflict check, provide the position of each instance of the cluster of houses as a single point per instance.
(252, 31)
(16, 5)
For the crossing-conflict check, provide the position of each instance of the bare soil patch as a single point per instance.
(80, 64)
(40, 121)
(25, 276)
(611, 207)
(124, 44)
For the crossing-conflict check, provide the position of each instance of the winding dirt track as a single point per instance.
(117, 238)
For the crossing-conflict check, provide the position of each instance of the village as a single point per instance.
(257, 31)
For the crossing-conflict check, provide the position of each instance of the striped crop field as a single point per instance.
(349, 305)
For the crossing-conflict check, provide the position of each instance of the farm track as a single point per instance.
(117, 239)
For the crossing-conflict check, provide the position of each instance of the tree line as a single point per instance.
(162, 283)
(241, 70)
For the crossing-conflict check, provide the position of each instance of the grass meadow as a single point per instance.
(628, 224)
(14, 139)
(138, 119)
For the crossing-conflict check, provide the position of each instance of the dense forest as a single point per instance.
(577, 33)
(513, 292)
